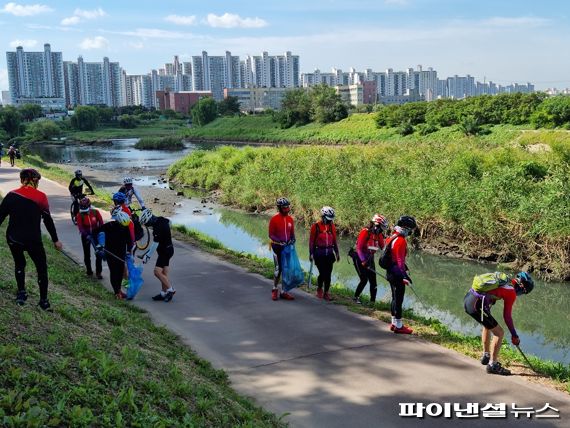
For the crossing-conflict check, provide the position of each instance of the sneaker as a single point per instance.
(89, 273)
(320, 293)
(327, 297)
(21, 297)
(169, 296)
(485, 359)
(120, 295)
(44, 304)
(99, 275)
(158, 297)
(497, 369)
(357, 300)
(287, 296)
(392, 327)
(403, 330)
(274, 294)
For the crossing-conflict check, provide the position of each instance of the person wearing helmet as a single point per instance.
(397, 273)
(370, 239)
(120, 202)
(281, 233)
(164, 249)
(129, 190)
(76, 189)
(114, 241)
(485, 291)
(323, 249)
(27, 207)
(89, 221)
(12, 155)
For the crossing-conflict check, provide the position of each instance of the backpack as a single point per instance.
(385, 260)
(489, 281)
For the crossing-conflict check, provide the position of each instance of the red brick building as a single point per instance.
(180, 102)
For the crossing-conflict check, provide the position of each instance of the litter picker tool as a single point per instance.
(526, 359)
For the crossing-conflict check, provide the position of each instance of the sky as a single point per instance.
(503, 41)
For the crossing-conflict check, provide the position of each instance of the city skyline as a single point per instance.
(517, 41)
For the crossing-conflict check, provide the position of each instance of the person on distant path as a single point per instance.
(76, 189)
(12, 155)
(370, 239)
(114, 241)
(89, 221)
(129, 190)
(485, 291)
(397, 274)
(163, 245)
(323, 249)
(27, 207)
(281, 233)
(1, 152)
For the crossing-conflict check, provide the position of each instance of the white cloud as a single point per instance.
(3, 79)
(97, 42)
(80, 15)
(25, 9)
(181, 20)
(231, 20)
(154, 33)
(23, 43)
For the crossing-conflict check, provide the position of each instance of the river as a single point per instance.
(542, 317)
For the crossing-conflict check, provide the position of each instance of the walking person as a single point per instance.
(397, 270)
(281, 233)
(12, 155)
(129, 190)
(370, 239)
(114, 241)
(323, 250)
(162, 244)
(27, 207)
(1, 152)
(485, 291)
(120, 203)
(75, 188)
(89, 221)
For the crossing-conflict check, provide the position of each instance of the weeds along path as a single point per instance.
(320, 363)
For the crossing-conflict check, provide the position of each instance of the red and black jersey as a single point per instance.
(26, 207)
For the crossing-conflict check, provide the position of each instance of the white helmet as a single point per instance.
(381, 221)
(122, 217)
(328, 213)
(128, 180)
(146, 216)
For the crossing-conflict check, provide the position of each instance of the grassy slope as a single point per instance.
(158, 128)
(98, 361)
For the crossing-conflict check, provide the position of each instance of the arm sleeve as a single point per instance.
(70, 187)
(312, 237)
(138, 196)
(99, 219)
(88, 184)
(509, 297)
(399, 255)
(80, 225)
(362, 245)
(4, 208)
(48, 221)
(335, 243)
(272, 230)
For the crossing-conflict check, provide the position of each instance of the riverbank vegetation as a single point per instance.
(98, 361)
(160, 143)
(504, 200)
(555, 374)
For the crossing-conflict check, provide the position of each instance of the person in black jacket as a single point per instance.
(27, 207)
(76, 189)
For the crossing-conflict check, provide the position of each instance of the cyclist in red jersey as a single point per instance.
(89, 221)
(323, 249)
(397, 273)
(281, 233)
(27, 207)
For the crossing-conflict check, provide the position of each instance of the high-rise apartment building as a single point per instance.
(214, 73)
(267, 71)
(98, 83)
(36, 77)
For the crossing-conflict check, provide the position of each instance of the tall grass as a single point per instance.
(496, 200)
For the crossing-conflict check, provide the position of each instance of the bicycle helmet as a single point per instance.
(283, 202)
(128, 180)
(119, 198)
(380, 220)
(146, 216)
(29, 174)
(523, 283)
(84, 205)
(328, 213)
(407, 221)
(122, 217)
(78, 173)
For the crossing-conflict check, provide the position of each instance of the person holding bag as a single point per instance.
(323, 250)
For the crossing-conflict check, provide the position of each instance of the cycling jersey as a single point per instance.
(161, 234)
(368, 243)
(508, 294)
(118, 240)
(130, 191)
(322, 239)
(76, 186)
(89, 222)
(281, 228)
(26, 207)
(398, 253)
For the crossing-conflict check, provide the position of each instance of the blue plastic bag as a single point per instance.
(135, 278)
(292, 275)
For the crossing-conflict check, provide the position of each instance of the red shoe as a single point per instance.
(274, 294)
(287, 296)
(392, 327)
(327, 297)
(120, 296)
(320, 293)
(403, 330)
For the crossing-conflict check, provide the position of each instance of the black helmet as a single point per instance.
(78, 173)
(407, 221)
(524, 284)
(28, 174)
(282, 202)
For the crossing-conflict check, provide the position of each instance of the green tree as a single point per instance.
(295, 109)
(326, 104)
(11, 121)
(30, 112)
(127, 121)
(204, 111)
(85, 118)
(229, 106)
(43, 130)
(106, 114)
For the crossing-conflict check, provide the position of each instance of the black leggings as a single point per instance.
(325, 266)
(398, 291)
(365, 275)
(116, 270)
(86, 244)
(38, 256)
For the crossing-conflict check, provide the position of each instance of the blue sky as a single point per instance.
(501, 40)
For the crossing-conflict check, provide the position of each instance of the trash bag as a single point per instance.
(292, 275)
(135, 278)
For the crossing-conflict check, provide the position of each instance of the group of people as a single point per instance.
(486, 289)
(13, 154)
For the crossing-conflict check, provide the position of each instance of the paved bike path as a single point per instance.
(318, 362)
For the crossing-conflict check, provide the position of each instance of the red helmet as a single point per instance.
(84, 205)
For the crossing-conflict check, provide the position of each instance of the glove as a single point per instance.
(406, 282)
(515, 340)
